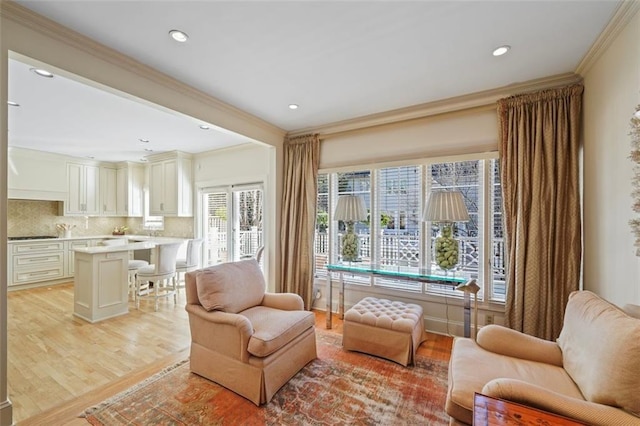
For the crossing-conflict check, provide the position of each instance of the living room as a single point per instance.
(609, 71)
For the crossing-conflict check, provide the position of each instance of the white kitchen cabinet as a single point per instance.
(108, 191)
(83, 190)
(32, 262)
(71, 246)
(170, 185)
(130, 186)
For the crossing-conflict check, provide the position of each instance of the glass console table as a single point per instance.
(394, 272)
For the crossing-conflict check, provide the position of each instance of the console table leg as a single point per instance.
(467, 315)
(341, 298)
(329, 296)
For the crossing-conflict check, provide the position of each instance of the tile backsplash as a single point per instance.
(29, 218)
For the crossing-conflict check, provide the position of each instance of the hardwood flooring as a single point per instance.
(59, 364)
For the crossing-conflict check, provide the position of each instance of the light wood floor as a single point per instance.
(60, 365)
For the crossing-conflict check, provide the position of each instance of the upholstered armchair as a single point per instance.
(242, 338)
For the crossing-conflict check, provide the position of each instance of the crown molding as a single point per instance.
(621, 17)
(27, 18)
(458, 103)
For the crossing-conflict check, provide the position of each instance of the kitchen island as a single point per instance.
(101, 286)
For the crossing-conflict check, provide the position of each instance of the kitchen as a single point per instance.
(92, 197)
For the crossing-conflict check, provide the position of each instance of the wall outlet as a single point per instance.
(488, 319)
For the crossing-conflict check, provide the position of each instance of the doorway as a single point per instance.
(233, 222)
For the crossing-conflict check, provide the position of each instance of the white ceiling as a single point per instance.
(337, 59)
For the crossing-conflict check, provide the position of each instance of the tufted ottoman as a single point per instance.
(381, 327)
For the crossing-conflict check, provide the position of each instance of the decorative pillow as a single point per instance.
(601, 351)
(231, 287)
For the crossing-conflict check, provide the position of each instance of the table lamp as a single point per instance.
(350, 209)
(444, 208)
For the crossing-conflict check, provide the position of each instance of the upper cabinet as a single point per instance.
(170, 185)
(108, 191)
(104, 189)
(130, 186)
(83, 182)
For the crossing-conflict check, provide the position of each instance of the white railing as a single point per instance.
(247, 244)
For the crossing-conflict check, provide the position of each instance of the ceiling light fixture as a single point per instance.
(148, 149)
(294, 106)
(11, 103)
(204, 127)
(41, 72)
(499, 51)
(179, 36)
(144, 160)
(144, 140)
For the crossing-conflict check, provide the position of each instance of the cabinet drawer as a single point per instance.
(21, 277)
(37, 247)
(38, 261)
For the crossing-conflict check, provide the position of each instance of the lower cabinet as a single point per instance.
(71, 245)
(35, 262)
(38, 262)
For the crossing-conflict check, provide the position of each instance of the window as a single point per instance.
(395, 235)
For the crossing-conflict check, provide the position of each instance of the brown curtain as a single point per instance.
(301, 159)
(539, 143)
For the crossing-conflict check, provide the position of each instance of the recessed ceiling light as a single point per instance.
(144, 140)
(41, 72)
(11, 103)
(90, 157)
(204, 127)
(294, 106)
(148, 149)
(499, 51)
(143, 160)
(179, 36)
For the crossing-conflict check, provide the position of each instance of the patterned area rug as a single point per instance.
(338, 388)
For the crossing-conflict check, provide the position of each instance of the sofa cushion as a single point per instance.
(601, 351)
(274, 328)
(471, 367)
(231, 287)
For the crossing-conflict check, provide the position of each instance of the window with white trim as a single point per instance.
(395, 235)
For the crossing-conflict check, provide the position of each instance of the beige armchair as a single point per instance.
(242, 338)
(591, 373)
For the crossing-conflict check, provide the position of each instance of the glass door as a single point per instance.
(233, 222)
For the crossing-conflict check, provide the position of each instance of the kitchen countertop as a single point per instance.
(132, 237)
(147, 243)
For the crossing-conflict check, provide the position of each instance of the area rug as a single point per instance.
(338, 388)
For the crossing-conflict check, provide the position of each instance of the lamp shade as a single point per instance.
(350, 208)
(445, 206)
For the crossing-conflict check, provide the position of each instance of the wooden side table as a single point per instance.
(489, 411)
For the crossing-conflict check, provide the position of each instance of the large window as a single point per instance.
(395, 235)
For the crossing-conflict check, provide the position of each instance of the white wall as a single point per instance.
(612, 91)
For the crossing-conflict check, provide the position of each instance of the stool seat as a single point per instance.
(135, 264)
(385, 328)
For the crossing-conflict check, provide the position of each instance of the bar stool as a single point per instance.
(191, 263)
(161, 274)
